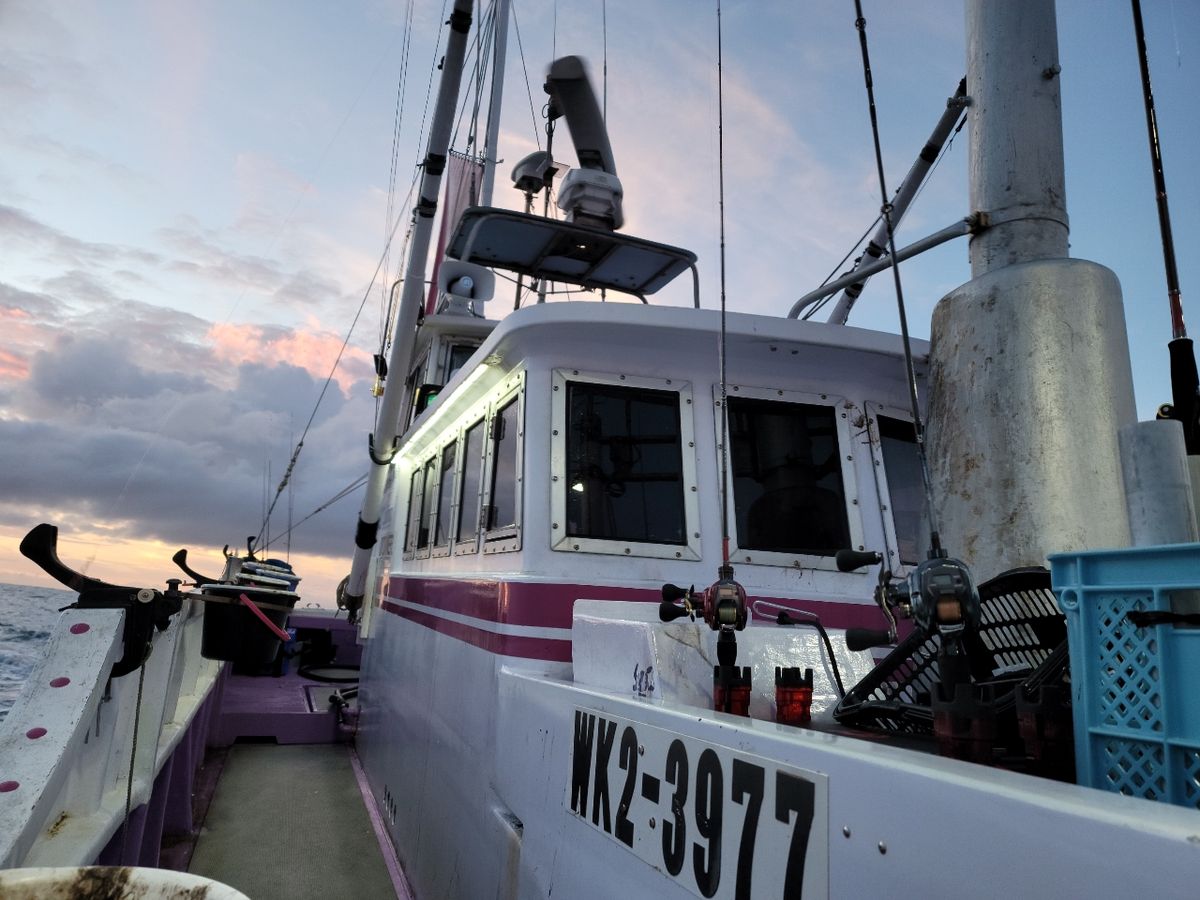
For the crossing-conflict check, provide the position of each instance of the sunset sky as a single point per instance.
(194, 197)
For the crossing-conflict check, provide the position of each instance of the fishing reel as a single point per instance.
(939, 596)
(722, 605)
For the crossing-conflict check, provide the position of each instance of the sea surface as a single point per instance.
(27, 616)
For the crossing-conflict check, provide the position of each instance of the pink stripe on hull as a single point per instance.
(501, 644)
(508, 602)
(549, 605)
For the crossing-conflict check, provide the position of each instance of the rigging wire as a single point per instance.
(325, 387)
(137, 467)
(935, 548)
(397, 124)
(537, 134)
(722, 346)
(604, 31)
(477, 59)
(483, 52)
(340, 495)
(492, 153)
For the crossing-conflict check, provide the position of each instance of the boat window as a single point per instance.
(787, 477)
(902, 466)
(472, 478)
(624, 464)
(502, 508)
(427, 506)
(414, 511)
(445, 494)
(459, 354)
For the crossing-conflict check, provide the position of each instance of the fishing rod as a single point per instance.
(1185, 381)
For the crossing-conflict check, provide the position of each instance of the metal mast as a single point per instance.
(387, 426)
(1030, 377)
(491, 140)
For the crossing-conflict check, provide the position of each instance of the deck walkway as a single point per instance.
(289, 822)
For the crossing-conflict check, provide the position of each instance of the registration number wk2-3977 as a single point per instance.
(718, 822)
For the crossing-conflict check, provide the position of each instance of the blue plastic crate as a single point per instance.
(1135, 691)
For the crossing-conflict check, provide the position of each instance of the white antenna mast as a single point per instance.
(491, 139)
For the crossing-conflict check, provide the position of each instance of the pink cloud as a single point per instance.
(314, 351)
(22, 335)
(13, 366)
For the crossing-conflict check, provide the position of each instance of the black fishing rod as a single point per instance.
(1185, 381)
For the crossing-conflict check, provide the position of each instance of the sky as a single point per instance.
(195, 199)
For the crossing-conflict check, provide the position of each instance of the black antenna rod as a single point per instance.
(935, 540)
(722, 346)
(1185, 381)
(1178, 329)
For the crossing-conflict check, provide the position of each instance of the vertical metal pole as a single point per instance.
(1016, 145)
(491, 139)
(387, 426)
(1029, 366)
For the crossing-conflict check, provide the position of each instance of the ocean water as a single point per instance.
(27, 616)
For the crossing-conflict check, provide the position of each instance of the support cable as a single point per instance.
(537, 132)
(935, 548)
(325, 387)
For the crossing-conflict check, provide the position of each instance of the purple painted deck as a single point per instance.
(287, 710)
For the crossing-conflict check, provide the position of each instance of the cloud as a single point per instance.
(86, 165)
(152, 461)
(313, 351)
(135, 422)
(25, 230)
(201, 255)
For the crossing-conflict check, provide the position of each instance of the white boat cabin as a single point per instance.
(578, 432)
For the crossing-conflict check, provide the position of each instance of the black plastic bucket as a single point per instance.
(233, 633)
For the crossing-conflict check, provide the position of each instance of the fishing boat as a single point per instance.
(877, 688)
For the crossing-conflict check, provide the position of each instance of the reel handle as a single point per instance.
(669, 612)
(866, 638)
(852, 560)
(671, 593)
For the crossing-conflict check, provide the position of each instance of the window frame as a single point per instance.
(412, 525)
(426, 485)
(559, 539)
(891, 538)
(469, 545)
(506, 538)
(843, 411)
(440, 550)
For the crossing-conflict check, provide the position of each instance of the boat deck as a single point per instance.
(289, 821)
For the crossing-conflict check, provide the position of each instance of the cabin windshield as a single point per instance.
(787, 477)
(624, 464)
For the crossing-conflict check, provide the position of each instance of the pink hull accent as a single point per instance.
(500, 644)
(550, 605)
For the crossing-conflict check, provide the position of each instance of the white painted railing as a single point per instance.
(66, 744)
